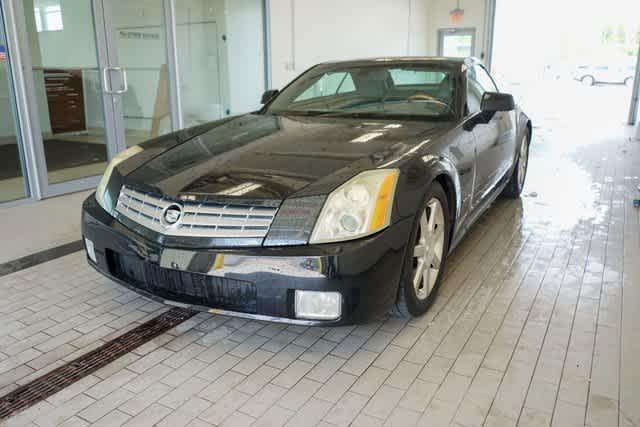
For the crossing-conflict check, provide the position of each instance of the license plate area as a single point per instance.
(183, 286)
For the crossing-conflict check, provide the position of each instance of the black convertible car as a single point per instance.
(338, 200)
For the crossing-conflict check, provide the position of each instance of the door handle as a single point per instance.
(125, 85)
(107, 81)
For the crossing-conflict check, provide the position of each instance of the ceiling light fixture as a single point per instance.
(457, 14)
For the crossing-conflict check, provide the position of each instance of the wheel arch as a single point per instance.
(447, 184)
(523, 127)
(443, 171)
(528, 131)
(439, 170)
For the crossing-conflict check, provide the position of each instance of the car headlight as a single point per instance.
(357, 208)
(101, 191)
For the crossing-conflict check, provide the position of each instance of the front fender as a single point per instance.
(440, 165)
(415, 179)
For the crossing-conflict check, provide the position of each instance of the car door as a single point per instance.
(495, 140)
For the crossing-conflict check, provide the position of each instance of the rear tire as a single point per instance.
(519, 174)
(426, 254)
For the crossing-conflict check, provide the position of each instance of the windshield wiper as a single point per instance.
(364, 115)
(302, 112)
(358, 114)
(391, 116)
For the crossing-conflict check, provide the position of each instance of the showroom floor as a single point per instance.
(536, 321)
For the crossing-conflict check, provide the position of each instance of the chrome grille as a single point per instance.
(198, 219)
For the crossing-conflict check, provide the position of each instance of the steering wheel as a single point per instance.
(423, 97)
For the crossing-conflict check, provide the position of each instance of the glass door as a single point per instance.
(74, 117)
(138, 74)
(101, 75)
(12, 174)
(99, 80)
(199, 40)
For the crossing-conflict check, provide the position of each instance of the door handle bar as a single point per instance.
(107, 81)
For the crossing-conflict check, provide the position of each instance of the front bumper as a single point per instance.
(257, 282)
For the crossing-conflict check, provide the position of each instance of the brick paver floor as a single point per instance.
(536, 323)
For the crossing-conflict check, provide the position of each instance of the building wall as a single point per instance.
(305, 32)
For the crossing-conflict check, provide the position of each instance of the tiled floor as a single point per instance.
(536, 323)
(35, 226)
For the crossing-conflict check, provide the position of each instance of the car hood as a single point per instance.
(272, 157)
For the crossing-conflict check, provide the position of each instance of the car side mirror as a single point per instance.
(269, 95)
(491, 103)
(496, 101)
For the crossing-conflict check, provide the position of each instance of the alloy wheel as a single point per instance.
(429, 248)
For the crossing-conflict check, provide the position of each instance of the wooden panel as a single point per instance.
(65, 98)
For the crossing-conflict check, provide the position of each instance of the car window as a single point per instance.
(405, 90)
(474, 92)
(478, 82)
(485, 81)
(327, 85)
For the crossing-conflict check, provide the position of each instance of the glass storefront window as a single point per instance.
(100, 79)
(140, 42)
(67, 87)
(220, 58)
(12, 176)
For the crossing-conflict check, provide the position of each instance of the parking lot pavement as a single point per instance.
(535, 322)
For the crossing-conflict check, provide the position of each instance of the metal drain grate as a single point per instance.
(62, 377)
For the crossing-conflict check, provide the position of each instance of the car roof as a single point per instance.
(449, 61)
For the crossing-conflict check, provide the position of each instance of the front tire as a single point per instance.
(426, 254)
(519, 174)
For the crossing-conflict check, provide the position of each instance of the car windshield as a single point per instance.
(377, 90)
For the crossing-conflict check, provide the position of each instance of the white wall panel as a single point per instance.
(305, 32)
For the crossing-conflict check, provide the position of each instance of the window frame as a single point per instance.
(491, 79)
(470, 67)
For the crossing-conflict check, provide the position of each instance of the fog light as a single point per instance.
(91, 252)
(317, 305)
